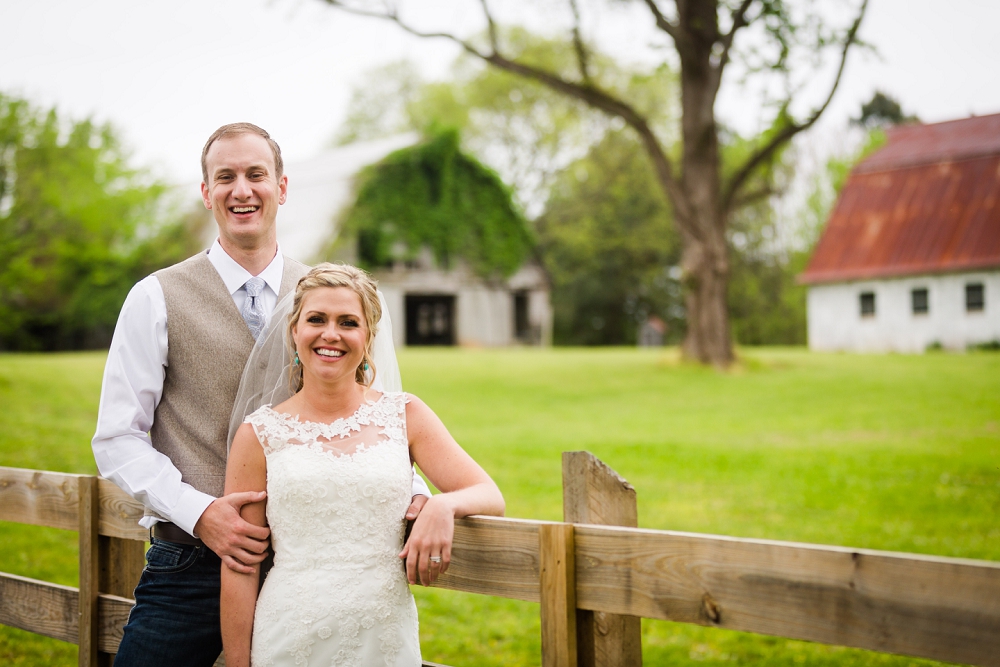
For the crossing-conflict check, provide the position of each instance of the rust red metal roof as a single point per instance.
(926, 202)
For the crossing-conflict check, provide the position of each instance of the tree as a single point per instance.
(882, 111)
(78, 227)
(703, 197)
(608, 242)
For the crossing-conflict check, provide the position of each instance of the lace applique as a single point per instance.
(337, 494)
(383, 417)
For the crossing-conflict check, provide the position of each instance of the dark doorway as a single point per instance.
(430, 319)
(522, 326)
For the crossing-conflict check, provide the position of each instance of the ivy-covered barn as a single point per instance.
(452, 252)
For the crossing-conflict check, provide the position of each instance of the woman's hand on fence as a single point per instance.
(428, 550)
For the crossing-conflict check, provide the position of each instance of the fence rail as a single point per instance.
(592, 581)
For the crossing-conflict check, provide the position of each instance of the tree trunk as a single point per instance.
(705, 259)
(706, 276)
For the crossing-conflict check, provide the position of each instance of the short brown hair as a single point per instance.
(235, 130)
(358, 281)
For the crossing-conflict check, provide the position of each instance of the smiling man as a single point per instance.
(182, 339)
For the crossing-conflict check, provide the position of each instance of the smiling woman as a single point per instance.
(336, 462)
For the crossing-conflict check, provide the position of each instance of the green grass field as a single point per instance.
(883, 452)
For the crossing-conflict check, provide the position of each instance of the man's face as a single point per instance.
(243, 191)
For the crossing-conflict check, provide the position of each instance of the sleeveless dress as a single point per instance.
(336, 498)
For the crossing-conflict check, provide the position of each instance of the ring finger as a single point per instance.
(434, 565)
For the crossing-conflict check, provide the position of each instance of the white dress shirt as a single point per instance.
(133, 385)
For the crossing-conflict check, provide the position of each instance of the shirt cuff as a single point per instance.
(420, 486)
(191, 505)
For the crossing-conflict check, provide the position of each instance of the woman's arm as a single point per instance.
(466, 489)
(246, 470)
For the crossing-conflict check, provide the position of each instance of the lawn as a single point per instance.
(883, 452)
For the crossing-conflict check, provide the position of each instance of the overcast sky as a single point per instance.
(167, 74)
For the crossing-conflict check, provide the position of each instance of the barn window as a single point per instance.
(918, 298)
(868, 304)
(975, 299)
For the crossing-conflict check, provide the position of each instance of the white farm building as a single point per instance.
(910, 257)
(429, 305)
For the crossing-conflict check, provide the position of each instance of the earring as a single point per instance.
(295, 361)
(366, 367)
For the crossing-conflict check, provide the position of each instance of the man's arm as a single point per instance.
(131, 390)
(132, 387)
(421, 494)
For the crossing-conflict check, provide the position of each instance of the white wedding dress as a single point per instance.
(336, 498)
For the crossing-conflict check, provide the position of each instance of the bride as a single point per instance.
(336, 462)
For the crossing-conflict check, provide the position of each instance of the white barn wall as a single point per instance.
(396, 304)
(484, 311)
(485, 317)
(835, 323)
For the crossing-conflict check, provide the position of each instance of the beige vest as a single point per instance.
(208, 344)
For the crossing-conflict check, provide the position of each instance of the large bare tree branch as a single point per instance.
(780, 138)
(739, 21)
(585, 92)
(581, 50)
(746, 198)
(492, 26)
(612, 106)
(662, 22)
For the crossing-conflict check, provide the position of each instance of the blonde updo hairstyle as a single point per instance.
(358, 281)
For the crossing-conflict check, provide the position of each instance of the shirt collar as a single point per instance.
(235, 276)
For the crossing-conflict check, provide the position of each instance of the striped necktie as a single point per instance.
(253, 307)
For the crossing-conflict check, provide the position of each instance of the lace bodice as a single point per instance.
(337, 494)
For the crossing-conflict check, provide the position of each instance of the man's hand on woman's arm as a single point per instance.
(239, 543)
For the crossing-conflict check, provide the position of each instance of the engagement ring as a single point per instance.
(434, 559)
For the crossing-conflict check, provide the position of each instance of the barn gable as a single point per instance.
(910, 257)
(927, 202)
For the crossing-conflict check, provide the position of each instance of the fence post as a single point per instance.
(594, 493)
(89, 546)
(120, 566)
(557, 569)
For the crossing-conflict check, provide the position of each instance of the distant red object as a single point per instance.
(926, 202)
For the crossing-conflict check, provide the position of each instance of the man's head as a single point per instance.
(236, 129)
(244, 185)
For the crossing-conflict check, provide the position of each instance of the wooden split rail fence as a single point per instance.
(593, 577)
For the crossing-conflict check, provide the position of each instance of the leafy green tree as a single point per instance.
(882, 111)
(432, 195)
(608, 242)
(783, 37)
(78, 226)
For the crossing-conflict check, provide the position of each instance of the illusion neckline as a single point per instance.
(295, 418)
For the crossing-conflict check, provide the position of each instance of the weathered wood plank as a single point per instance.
(39, 498)
(941, 608)
(113, 611)
(39, 607)
(594, 493)
(42, 498)
(120, 514)
(557, 583)
(494, 556)
(89, 513)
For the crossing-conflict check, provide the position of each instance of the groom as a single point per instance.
(173, 370)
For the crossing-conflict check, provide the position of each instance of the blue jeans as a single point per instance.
(175, 620)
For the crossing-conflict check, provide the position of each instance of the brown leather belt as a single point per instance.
(170, 532)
